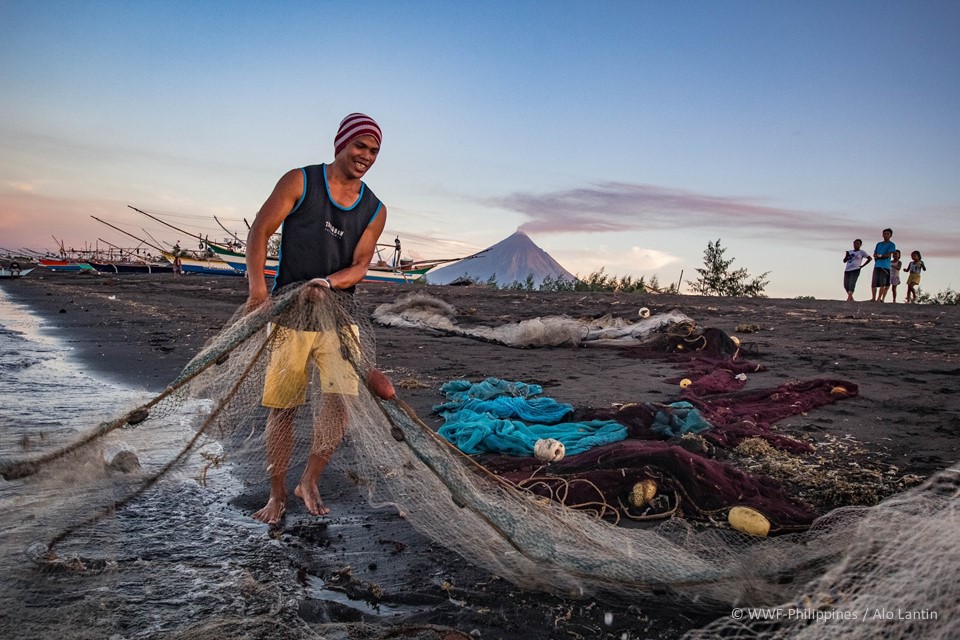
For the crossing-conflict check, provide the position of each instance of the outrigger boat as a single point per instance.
(238, 259)
(208, 266)
(134, 264)
(63, 264)
(130, 267)
(14, 273)
(13, 268)
(201, 264)
(71, 260)
(225, 261)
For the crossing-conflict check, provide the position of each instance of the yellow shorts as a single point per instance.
(289, 370)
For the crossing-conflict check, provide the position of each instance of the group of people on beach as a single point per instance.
(886, 269)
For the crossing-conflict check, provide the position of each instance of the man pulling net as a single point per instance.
(331, 223)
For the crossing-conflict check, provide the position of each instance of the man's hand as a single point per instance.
(254, 302)
(315, 290)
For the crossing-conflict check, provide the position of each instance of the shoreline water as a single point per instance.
(39, 365)
(906, 361)
(47, 397)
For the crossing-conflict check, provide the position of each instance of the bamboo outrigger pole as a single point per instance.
(164, 222)
(141, 240)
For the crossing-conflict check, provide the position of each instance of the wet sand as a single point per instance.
(141, 330)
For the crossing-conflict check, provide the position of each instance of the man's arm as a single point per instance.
(278, 206)
(362, 254)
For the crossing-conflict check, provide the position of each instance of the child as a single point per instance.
(854, 261)
(913, 280)
(895, 266)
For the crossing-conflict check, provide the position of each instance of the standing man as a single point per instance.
(331, 223)
(855, 260)
(881, 266)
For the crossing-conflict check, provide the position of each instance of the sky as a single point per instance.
(618, 135)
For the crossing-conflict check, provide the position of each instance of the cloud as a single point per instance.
(617, 207)
(651, 258)
(638, 260)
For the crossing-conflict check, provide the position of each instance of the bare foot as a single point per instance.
(311, 499)
(273, 512)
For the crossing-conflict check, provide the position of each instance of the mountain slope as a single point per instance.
(511, 260)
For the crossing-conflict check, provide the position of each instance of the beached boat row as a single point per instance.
(212, 258)
(396, 270)
(222, 261)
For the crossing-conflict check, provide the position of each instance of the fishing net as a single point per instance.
(73, 506)
(426, 312)
(894, 576)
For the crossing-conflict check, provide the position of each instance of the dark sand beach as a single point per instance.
(141, 331)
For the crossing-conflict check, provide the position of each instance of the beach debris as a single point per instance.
(840, 472)
(686, 382)
(214, 460)
(644, 312)
(746, 327)
(412, 382)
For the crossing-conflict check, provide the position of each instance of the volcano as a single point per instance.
(512, 260)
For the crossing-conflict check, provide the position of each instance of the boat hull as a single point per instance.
(19, 273)
(238, 260)
(205, 267)
(389, 275)
(130, 267)
(64, 265)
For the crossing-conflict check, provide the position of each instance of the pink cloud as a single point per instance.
(618, 206)
(622, 207)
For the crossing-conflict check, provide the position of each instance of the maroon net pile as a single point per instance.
(602, 479)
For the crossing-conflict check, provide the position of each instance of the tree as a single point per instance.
(716, 279)
(947, 296)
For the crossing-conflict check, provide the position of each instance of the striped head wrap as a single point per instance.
(354, 126)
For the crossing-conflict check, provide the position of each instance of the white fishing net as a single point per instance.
(890, 572)
(71, 505)
(423, 311)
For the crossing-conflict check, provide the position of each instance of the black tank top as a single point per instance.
(319, 236)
